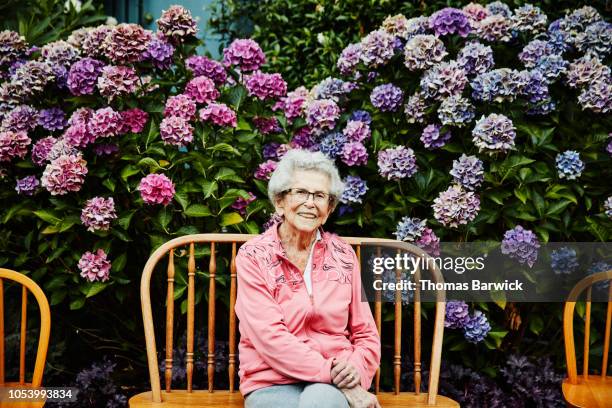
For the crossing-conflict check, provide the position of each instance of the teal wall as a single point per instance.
(145, 12)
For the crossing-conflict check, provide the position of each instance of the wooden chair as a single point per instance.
(589, 391)
(43, 339)
(169, 397)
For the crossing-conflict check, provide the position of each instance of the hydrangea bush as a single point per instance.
(117, 139)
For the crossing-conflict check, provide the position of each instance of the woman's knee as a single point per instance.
(286, 395)
(320, 395)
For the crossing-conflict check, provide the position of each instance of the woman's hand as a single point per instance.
(344, 374)
(357, 397)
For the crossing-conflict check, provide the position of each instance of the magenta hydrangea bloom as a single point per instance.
(65, 174)
(264, 170)
(156, 189)
(429, 242)
(322, 114)
(200, 65)
(450, 21)
(456, 206)
(22, 117)
(81, 115)
(397, 163)
(41, 150)
(357, 131)
(265, 86)
(105, 122)
(116, 81)
(27, 185)
(98, 213)
(292, 105)
(180, 105)
(83, 75)
(176, 24)
(218, 113)
(245, 54)
(202, 90)
(354, 154)
(241, 203)
(126, 43)
(95, 266)
(13, 144)
(176, 130)
(267, 125)
(133, 120)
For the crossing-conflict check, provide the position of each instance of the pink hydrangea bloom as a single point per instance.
(265, 86)
(13, 144)
(219, 114)
(156, 189)
(354, 154)
(176, 130)
(95, 266)
(266, 125)
(264, 170)
(116, 81)
(180, 105)
(357, 131)
(98, 213)
(293, 104)
(246, 54)
(78, 135)
(133, 120)
(81, 115)
(65, 174)
(105, 122)
(41, 150)
(202, 89)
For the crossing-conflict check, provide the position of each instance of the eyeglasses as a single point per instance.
(301, 195)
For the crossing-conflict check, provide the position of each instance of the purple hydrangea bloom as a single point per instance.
(529, 18)
(429, 242)
(332, 88)
(499, 7)
(409, 229)
(457, 314)
(450, 20)
(52, 119)
(246, 54)
(265, 86)
(159, 52)
(423, 52)
(349, 59)
(397, 163)
(377, 48)
(563, 260)
(98, 213)
(242, 203)
(587, 70)
(95, 266)
(21, 118)
(597, 97)
(357, 131)
(354, 154)
(443, 80)
(362, 116)
(415, 108)
(117, 81)
(499, 85)
(83, 76)
(476, 327)
(475, 58)
(597, 37)
(468, 171)
(536, 87)
(494, 133)
(608, 207)
(267, 125)
(533, 51)
(303, 139)
(387, 97)
(456, 111)
(354, 190)
(432, 138)
(542, 108)
(202, 89)
(41, 150)
(521, 244)
(264, 170)
(332, 144)
(27, 185)
(456, 206)
(292, 104)
(202, 66)
(569, 165)
(322, 114)
(552, 66)
(269, 151)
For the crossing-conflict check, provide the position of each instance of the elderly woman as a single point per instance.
(307, 339)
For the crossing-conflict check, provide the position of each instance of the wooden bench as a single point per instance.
(169, 397)
(588, 391)
(27, 284)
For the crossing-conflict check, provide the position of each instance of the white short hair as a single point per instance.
(298, 159)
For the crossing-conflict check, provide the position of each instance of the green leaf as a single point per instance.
(209, 188)
(149, 162)
(183, 199)
(223, 147)
(230, 219)
(236, 96)
(153, 133)
(536, 324)
(119, 263)
(557, 207)
(48, 216)
(198, 210)
(95, 288)
(77, 303)
(58, 297)
(125, 218)
(164, 217)
(110, 184)
(129, 171)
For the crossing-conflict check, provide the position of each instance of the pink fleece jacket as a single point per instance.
(288, 336)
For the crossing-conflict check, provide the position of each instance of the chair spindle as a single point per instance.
(587, 334)
(211, 317)
(232, 321)
(417, 332)
(190, 315)
(1, 332)
(378, 320)
(24, 324)
(604, 363)
(397, 352)
(169, 321)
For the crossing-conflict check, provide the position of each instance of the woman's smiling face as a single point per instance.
(306, 215)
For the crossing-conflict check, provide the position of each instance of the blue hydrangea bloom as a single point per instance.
(332, 144)
(476, 328)
(569, 165)
(354, 190)
(563, 260)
